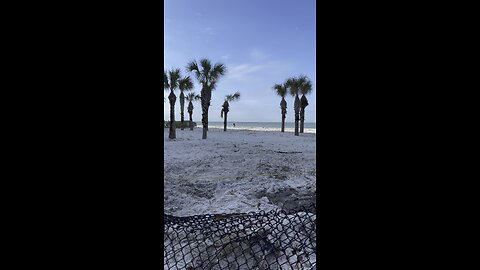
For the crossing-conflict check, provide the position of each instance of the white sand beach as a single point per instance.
(237, 171)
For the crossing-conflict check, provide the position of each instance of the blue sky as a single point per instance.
(261, 42)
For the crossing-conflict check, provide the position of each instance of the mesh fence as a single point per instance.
(277, 239)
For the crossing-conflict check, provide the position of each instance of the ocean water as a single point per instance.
(309, 127)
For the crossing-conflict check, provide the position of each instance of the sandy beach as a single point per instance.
(238, 171)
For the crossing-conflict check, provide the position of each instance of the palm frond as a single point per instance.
(206, 75)
(218, 70)
(192, 67)
(232, 97)
(280, 89)
(305, 85)
(174, 76)
(206, 67)
(193, 96)
(293, 85)
(185, 84)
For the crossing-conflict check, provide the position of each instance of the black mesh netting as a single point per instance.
(273, 240)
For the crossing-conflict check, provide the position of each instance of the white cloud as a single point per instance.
(243, 72)
(253, 72)
(257, 55)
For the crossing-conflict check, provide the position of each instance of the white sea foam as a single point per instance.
(264, 126)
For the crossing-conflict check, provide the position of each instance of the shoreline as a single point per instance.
(234, 129)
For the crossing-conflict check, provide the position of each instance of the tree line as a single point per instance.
(294, 86)
(208, 76)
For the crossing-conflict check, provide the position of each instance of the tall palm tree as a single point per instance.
(281, 90)
(191, 97)
(184, 85)
(293, 85)
(305, 88)
(225, 106)
(172, 81)
(208, 76)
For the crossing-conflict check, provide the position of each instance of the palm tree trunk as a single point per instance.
(205, 124)
(302, 118)
(297, 112)
(283, 106)
(209, 98)
(190, 112)
(172, 98)
(296, 124)
(303, 104)
(225, 122)
(204, 113)
(191, 121)
(182, 106)
(225, 111)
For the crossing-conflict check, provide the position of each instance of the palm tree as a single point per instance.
(184, 84)
(191, 97)
(172, 81)
(208, 76)
(225, 106)
(281, 90)
(305, 88)
(293, 84)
